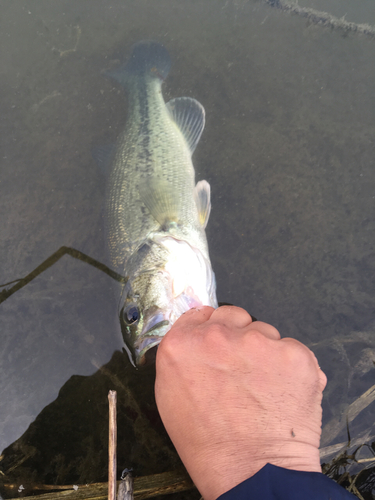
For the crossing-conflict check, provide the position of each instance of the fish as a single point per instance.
(156, 214)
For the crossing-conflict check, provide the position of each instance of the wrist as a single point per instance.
(215, 472)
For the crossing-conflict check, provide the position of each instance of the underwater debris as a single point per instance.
(337, 424)
(154, 485)
(52, 259)
(358, 483)
(323, 18)
(78, 33)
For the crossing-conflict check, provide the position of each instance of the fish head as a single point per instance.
(143, 316)
(145, 302)
(171, 277)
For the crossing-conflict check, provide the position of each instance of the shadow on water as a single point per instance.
(289, 152)
(68, 441)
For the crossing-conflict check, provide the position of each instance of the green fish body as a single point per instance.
(156, 214)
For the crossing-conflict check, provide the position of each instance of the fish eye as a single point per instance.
(130, 314)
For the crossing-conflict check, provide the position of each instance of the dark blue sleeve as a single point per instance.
(276, 483)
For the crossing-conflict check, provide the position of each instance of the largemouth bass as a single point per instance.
(156, 214)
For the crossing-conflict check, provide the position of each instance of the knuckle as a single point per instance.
(214, 336)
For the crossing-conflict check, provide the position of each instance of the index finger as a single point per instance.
(194, 317)
(184, 326)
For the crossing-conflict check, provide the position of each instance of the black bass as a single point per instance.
(156, 214)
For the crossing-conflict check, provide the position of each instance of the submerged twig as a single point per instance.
(322, 18)
(74, 49)
(336, 425)
(112, 443)
(52, 259)
(334, 449)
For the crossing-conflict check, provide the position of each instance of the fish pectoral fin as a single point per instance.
(161, 199)
(202, 196)
(189, 116)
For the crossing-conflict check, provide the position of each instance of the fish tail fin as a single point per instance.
(148, 59)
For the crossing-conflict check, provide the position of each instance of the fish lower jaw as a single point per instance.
(152, 337)
(141, 358)
(145, 343)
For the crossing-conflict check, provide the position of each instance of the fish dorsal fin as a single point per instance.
(161, 199)
(189, 116)
(202, 196)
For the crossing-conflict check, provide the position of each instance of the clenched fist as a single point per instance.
(233, 397)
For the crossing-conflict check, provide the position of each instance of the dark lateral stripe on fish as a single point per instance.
(148, 59)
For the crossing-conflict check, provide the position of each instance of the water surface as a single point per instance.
(289, 152)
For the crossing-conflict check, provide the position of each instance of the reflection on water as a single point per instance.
(68, 441)
(288, 150)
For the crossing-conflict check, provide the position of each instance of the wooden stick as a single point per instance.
(112, 443)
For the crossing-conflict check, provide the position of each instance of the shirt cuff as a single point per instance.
(276, 483)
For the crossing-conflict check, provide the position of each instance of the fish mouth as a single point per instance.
(158, 325)
(151, 336)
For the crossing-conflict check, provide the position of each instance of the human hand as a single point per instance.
(234, 397)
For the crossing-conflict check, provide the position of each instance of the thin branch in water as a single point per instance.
(52, 259)
(322, 18)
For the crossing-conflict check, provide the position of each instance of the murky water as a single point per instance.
(289, 152)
